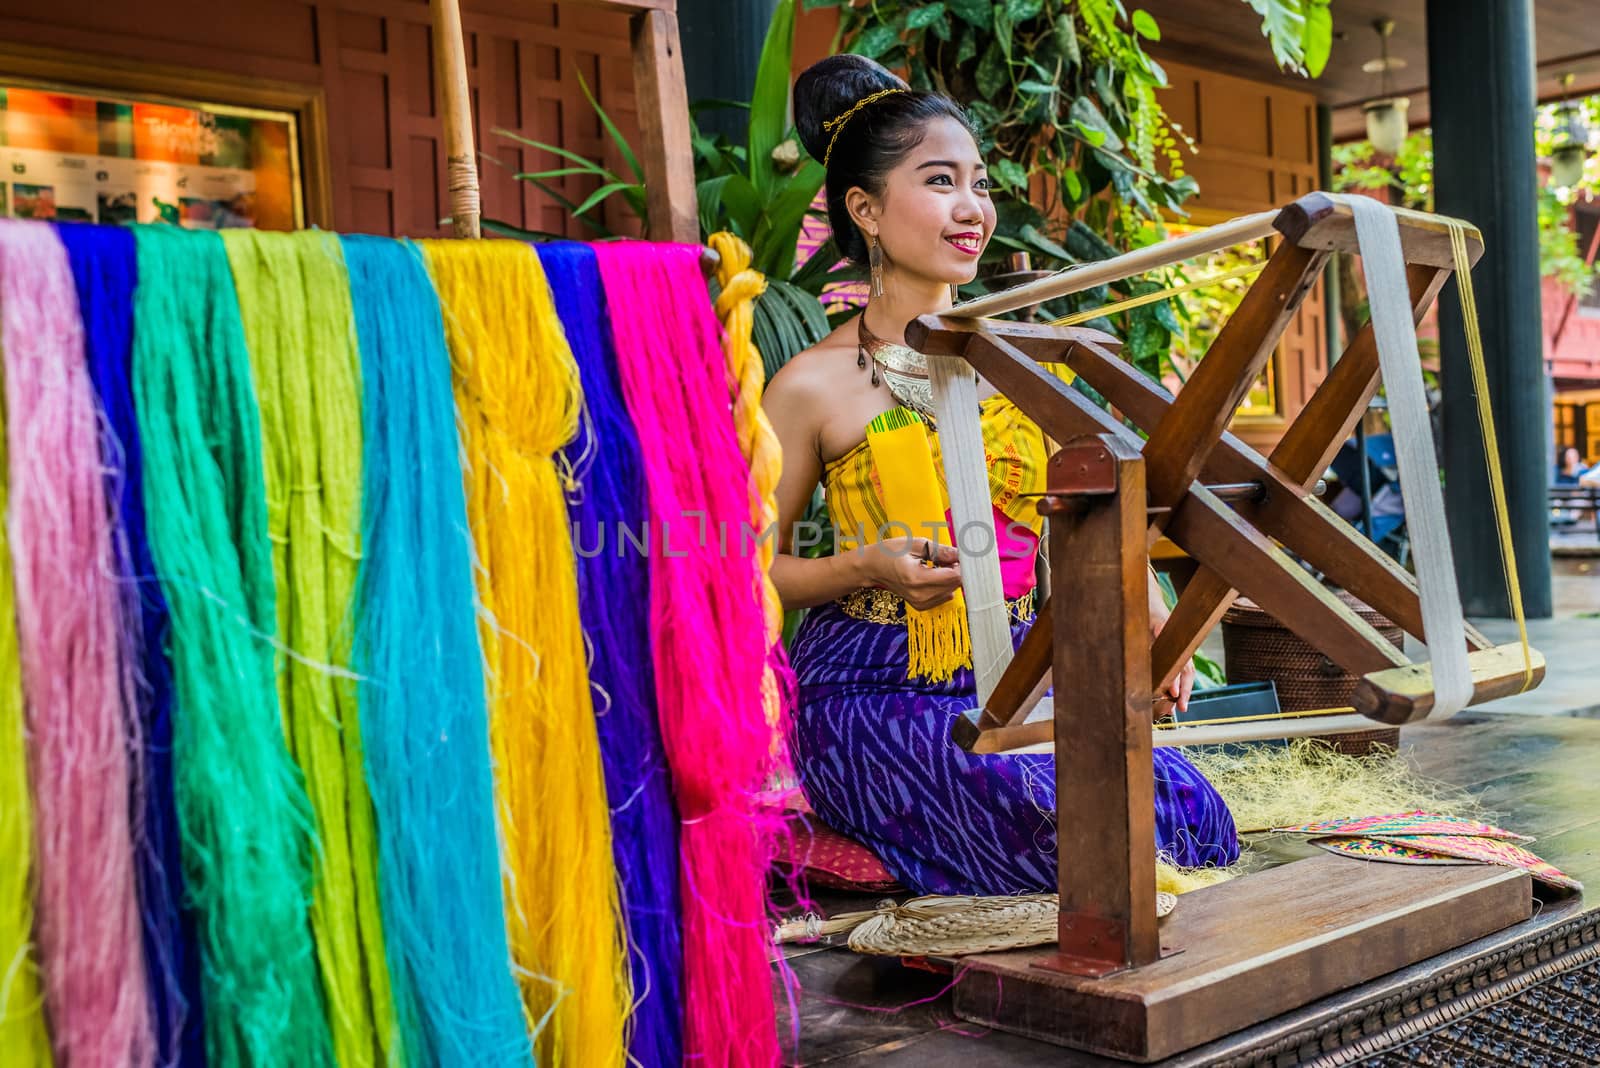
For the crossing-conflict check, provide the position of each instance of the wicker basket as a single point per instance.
(1259, 649)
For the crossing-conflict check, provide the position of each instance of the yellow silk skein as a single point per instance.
(518, 397)
(23, 1037)
(740, 286)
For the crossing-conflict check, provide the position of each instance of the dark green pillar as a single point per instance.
(1481, 90)
(721, 47)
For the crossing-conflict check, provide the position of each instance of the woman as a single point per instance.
(1571, 467)
(908, 195)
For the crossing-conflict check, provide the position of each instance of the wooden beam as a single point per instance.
(1102, 643)
(1198, 417)
(1321, 222)
(1405, 694)
(455, 98)
(662, 100)
(1249, 562)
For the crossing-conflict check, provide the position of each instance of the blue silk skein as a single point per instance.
(606, 494)
(105, 271)
(424, 721)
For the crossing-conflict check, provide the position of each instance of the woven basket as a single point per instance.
(1260, 649)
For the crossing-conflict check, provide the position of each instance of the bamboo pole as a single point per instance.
(461, 162)
(1076, 279)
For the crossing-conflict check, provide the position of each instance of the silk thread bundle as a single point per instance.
(243, 813)
(518, 395)
(74, 675)
(613, 586)
(104, 269)
(23, 1035)
(739, 288)
(294, 302)
(708, 638)
(423, 716)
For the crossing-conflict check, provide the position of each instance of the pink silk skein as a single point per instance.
(76, 681)
(708, 638)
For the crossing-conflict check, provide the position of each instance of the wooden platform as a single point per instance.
(1247, 950)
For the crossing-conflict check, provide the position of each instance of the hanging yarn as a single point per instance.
(294, 302)
(423, 718)
(517, 391)
(74, 676)
(242, 807)
(23, 1035)
(613, 590)
(708, 638)
(739, 288)
(105, 271)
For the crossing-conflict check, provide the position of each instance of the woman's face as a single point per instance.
(1569, 457)
(934, 216)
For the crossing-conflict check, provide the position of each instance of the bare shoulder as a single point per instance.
(814, 374)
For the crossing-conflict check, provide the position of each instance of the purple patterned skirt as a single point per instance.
(877, 764)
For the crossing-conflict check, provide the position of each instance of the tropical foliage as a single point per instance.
(1407, 178)
(1085, 160)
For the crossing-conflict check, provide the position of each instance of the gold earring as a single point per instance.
(875, 264)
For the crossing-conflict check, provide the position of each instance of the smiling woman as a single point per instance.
(883, 659)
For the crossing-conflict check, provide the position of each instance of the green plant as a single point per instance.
(1408, 179)
(1084, 160)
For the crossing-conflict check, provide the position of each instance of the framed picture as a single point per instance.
(152, 145)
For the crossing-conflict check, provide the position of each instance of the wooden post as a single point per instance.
(1105, 794)
(461, 161)
(663, 101)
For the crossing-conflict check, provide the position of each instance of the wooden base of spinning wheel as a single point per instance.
(1245, 951)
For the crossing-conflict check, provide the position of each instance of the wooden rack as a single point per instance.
(663, 104)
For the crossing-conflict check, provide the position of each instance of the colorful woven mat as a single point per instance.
(1405, 824)
(1393, 852)
(1489, 851)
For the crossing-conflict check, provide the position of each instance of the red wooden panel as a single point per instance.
(366, 129)
(371, 212)
(362, 31)
(426, 206)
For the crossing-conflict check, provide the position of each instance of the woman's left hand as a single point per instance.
(1182, 684)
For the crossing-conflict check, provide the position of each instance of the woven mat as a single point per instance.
(940, 926)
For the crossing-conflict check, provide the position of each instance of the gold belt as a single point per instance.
(874, 605)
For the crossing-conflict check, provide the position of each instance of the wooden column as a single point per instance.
(1481, 85)
(665, 150)
(1105, 794)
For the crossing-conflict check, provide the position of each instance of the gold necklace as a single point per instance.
(904, 369)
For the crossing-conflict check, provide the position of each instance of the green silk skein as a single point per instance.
(242, 808)
(294, 298)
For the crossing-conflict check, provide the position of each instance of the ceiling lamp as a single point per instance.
(1387, 125)
(1569, 148)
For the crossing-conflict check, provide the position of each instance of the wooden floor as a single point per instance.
(1539, 774)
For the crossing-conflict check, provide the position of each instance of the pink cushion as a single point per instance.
(822, 856)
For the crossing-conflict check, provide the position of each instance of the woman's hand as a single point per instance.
(922, 572)
(1182, 684)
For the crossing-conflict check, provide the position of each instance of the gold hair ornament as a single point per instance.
(836, 124)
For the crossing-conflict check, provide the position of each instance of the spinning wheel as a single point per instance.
(1110, 495)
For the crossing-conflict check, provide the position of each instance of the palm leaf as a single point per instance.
(616, 134)
(769, 104)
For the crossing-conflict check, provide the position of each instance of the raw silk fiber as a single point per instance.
(294, 300)
(243, 814)
(423, 717)
(105, 269)
(708, 635)
(517, 392)
(605, 498)
(23, 1035)
(74, 675)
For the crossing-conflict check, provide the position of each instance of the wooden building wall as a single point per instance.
(368, 66)
(1256, 149)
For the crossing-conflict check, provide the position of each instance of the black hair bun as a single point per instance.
(828, 88)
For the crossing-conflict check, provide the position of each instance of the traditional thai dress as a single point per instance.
(873, 746)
